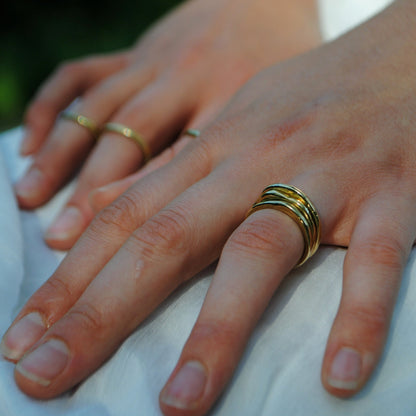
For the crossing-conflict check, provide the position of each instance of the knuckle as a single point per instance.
(257, 238)
(386, 251)
(167, 233)
(87, 317)
(52, 296)
(203, 153)
(223, 334)
(372, 319)
(121, 216)
(57, 285)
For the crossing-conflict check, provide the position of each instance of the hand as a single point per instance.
(338, 123)
(179, 75)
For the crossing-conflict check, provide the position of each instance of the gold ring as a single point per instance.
(130, 134)
(294, 203)
(192, 132)
(82, 121)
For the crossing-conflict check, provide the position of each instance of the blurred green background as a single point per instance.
(37, 35)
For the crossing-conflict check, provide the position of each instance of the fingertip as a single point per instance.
(36, 372)
(185, 390)
(100, 198)
(30, 190)
(26, 147)
(21, 336)
(350, 359)
(66, 229)
(61, 245)
(342, 372)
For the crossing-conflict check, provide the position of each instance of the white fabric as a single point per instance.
(338, 16)
(280, 371)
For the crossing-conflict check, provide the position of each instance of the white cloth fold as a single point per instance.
(280, 370)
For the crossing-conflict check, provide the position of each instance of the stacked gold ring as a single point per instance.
(294, 203)
(82, 121)
(130, 134)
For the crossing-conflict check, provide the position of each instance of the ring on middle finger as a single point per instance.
(130, 134)
(294, 203)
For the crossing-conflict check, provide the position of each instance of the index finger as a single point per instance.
(255, 259)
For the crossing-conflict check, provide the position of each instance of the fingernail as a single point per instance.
(68, 224)
(29, 185)
(345, 370)
(187, 387)
(45, 363)
(22, 335)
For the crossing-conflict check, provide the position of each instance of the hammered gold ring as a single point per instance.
(130, 134)
(294, 203)
(82, 121)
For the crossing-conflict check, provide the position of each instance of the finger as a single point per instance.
(69, 81)
(256, 258)
(168, 249)
(157, 113)
(106, 234)
(253, 263)
(105, 195)
(69, 143)
(377, 255)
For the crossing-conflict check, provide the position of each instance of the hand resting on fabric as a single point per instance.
(338, 123)
(178, 75)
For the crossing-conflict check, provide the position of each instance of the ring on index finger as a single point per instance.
(294, 203)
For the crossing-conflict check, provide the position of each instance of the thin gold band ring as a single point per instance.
(192, 132)
(130, 134)
(294, 203)
(82, 121)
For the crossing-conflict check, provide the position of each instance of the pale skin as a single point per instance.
(337, 122)
(179, 75)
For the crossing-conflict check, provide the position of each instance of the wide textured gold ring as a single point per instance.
(294, 203)
(192, 132)
(131, 134)
(82, 121)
